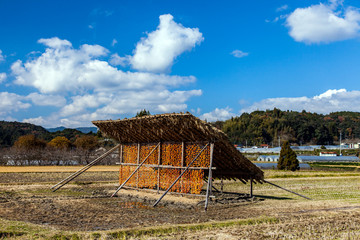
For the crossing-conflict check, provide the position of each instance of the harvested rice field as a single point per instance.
(84, 210)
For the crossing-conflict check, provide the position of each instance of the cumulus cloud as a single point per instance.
(2, 58)
(62, 68)
(157, 51)
(46, 100)
(239, 53)
(86, 87)
(219, 114)
(330, 101)
(3, 77)
(324, 23)
(11, 102)
(37, 121)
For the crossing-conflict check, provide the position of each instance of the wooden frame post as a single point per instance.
(121, 153)
(158, 170)
(177, 179)
(138, 161)
(182, 163)
(136, 170)
(209, 185)
(251, 187)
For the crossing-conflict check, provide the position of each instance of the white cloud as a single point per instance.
(37, 121)
(55, 42)
(46, 100)
(282, 8)
(2, 58)
(62, 68)
(239, 53)
(324, 23)
(329, 93)
(116, 60)
(219, 114)
(94, 89)
(11, 102)
(3, 77)
(329, 101)
(157, 51)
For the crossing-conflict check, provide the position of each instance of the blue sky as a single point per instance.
(69, 62)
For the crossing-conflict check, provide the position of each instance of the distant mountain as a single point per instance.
(81, 129)
(55, 129)
(87, 129)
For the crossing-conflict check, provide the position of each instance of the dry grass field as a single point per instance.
(83, 209)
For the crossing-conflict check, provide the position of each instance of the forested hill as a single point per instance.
(11, 131)
(264, 127)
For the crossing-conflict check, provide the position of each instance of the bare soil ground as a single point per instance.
(86, 206)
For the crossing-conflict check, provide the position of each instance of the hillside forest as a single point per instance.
(299, 128)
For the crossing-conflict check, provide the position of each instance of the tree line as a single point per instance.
(299, 128)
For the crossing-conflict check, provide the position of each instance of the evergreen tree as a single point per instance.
(142, 113)
(288, 159)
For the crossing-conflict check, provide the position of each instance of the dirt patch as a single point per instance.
(87, 206)
(91, 208)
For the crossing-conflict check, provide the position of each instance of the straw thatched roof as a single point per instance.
(183, 127)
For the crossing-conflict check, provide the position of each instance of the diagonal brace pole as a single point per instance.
(177, 179)
(82, 170)
(121, 186)
(287, 190)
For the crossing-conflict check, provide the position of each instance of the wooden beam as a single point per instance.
(286, 190)
(209, 186)
(166, 166)
(136, 170)
(82, 170)
(158, 170)
(177, 179)
(138, 161)
(251, 187)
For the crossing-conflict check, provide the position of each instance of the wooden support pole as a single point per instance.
(212, 185)
(121, 153)
(158, 170)
(251, 187)
(177, 179)
(82, 170)
(138, 161)
(286, 190)
(209, 186)
(182, 163)
(135, 170)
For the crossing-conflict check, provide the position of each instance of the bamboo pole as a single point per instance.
(166, 166)
(286, 190)
(209, 186)
(138, 161)
(117, 190)
(182, 163)
(82, 170)
(177, 179)
(251, 187)
(158, 170)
